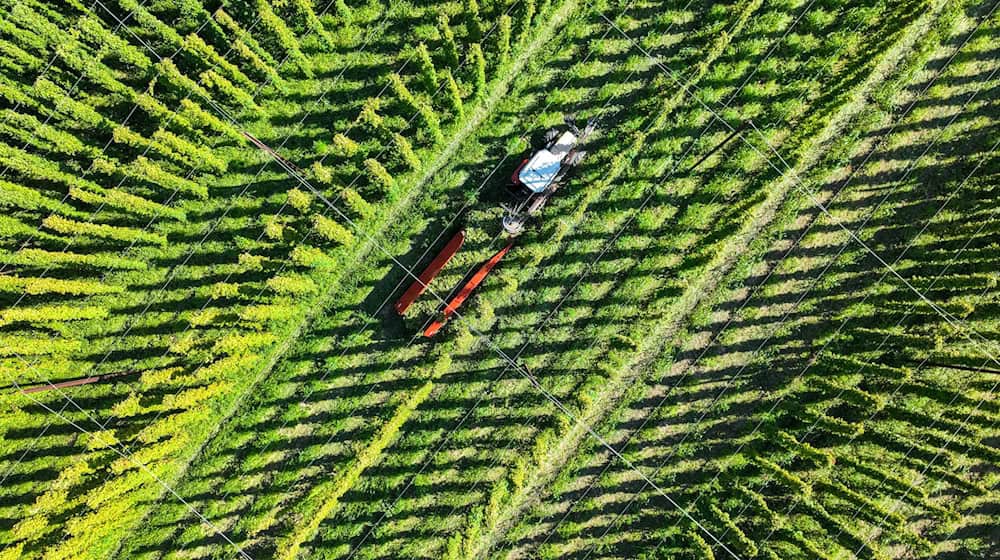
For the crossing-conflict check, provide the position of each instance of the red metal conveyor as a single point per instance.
(418, 286)
(466, 290)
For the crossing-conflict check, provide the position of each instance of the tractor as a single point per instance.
(539, 176)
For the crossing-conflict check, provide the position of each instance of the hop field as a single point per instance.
(758, 320)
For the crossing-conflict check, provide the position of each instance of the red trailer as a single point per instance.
(466, 290)
(418, 286)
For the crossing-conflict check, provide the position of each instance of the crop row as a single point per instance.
(188, 320)
(459, 471)
(701, 420)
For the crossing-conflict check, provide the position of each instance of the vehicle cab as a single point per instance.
(538, 172)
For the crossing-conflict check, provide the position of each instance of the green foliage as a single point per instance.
(291, 284)
(321, 173)
(503, 39)
(102, 231)
(234, 27)
(285, 37)
(325, 497)
(379, 175)
(450, 47)
(332, 231)
(26, 345)
(453, 549)
(50, 313)
(406, 153)
(427, 116)
(838, 426)
(251, 263)
(453, 96)
(71, 108)
(197, 46)
(499, 495)
(274, 228)
(259, 430)
(524, 22)
(473, 531)
(30, 130)
(862, 399)
(122, 200)
(473, 22)
(239, 343)
(840, 365)
(428, 76)
(17, 196)
(702, 549)
(745, 546)
(178, 80)
(314, 24)
(795, 483)
(198, 157)
(224, 290)
(218, 82)
(41, 258)
(478, 63)
(370, 118)
(253, 56)
(300, 200)
(204, 119)
(344, 146)
(261, 316)
(38, 168)
(312, 257)
(153, 173)
(357, 203)
(818, 456)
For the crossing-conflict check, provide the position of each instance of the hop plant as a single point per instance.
(369, 116)
(344, 146)
(299, 200)
(454, 96)
(450, 45)
(224, 290)
(406, 152)
(312, 257)
(503, 39)
(103, 231)
(274, 229)
(202, 118)
(524, 24)
(251, 263)
(212, 79)
(343, 10)
(428, 76)
(357, 203)
(291, 284)
(380, 174)
(478, 68)
(321, 173)
(473, 24)
(332, 231)
(284, 35)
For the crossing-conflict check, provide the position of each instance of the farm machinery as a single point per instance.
(532, 183)
(538, 177)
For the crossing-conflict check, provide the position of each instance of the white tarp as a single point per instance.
(541, 169)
